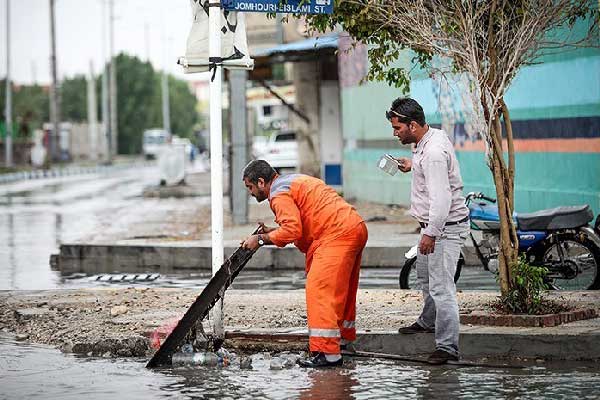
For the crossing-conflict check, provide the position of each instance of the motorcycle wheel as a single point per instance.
(582, 262)
(408, 274)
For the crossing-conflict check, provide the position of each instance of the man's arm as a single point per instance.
(438, 186)
(287, 216)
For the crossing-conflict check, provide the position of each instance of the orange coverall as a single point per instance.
(332, 234)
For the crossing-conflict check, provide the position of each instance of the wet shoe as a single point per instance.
(414, 328)
(348, 349)
(439, 357)
(319, 361)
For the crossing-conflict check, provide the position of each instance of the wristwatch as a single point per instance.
(261, 242)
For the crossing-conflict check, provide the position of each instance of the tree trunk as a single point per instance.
(504, 182)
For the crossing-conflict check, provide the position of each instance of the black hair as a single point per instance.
(408, 109)
(258, 169)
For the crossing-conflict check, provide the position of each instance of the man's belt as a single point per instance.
(465, 219)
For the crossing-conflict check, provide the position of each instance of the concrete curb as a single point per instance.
(196, 255)
(66, 171)
(475, 342)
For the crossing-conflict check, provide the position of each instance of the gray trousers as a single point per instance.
(435, 274)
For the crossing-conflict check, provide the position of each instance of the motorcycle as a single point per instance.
(559, 239)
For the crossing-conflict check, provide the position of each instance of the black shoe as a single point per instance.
(348, 349)
(414, 328)
(441, 357)
(318, 361)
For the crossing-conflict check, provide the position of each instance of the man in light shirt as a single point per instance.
(438, 205)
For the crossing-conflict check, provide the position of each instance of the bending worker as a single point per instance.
(330, 232)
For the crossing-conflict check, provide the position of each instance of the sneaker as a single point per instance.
(318, 361)
(441, 357)
(348, 349)
(414, 328)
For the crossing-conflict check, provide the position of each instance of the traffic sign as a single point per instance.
(280, 6)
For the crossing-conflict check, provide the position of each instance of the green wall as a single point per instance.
(543, 180)
(562, 87)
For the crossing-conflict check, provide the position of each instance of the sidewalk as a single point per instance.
(119, 322)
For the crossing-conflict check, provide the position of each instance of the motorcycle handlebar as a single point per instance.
(479, 195)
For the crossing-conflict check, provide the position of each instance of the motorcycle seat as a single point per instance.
(555, 218)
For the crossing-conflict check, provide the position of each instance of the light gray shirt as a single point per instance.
(436, 193)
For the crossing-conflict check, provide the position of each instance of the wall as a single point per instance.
(555, 108)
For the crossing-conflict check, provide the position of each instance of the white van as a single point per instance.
(153, 142)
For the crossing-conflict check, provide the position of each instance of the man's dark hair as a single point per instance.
(406, 110)
(258, 169)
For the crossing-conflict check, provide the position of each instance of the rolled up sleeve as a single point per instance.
(438, 186)
(287, 216)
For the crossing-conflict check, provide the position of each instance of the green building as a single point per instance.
(555, 109)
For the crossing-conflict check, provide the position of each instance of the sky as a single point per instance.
(150, 29)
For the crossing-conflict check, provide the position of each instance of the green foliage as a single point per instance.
(139, 99)
(182, 104)
(525, 295)
(384, 46)
(138, 88)
(73, 94)
(30, 108)
(139, 102)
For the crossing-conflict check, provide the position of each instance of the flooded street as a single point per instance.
(36, 216)
(39, 372)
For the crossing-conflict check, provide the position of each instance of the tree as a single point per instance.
(73, 93)
(30, 107)
(487, 41)
(136, 93)
(183, 108)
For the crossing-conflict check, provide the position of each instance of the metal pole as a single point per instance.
(8, 112)
(113, 85)
(216, 153)
(105, 105)
(165, 102)
(54, 91)
(239, 143)
(165, 83)
(92, 114)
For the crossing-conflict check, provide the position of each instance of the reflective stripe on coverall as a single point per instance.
(332, 234)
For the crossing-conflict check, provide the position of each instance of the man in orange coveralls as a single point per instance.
(330, 232)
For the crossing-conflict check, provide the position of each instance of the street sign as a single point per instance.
(280, 6)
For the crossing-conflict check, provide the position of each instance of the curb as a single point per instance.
(475, 343)
(66, 171)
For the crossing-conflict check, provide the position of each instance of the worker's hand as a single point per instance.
(264, 229)
(427, 245)
(250, 243)
(404, 164)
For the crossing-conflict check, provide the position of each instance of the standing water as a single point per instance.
(38, 372)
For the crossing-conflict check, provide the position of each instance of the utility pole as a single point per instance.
(165, 83)
(165, 102)
(105, 106)
(54, 91)
(92, 114)
(113, 85)
(8, 112)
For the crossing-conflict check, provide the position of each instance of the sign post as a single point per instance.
(280, 6)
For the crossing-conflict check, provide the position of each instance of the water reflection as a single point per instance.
(39, 372)
(338, 383)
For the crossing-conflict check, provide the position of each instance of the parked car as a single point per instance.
(153, 141)
(281, 151)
